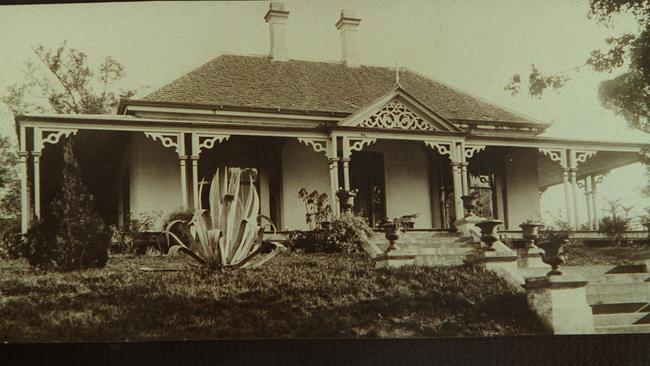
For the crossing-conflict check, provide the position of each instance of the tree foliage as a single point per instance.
(61, 81)
(627, 94)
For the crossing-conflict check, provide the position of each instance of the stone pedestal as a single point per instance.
(467, 227)
(501, 260)
(561, 303)
(531, 257)
(393, 260)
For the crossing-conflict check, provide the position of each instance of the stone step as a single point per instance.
(439, 260)
(621, 278)
(618, 288)
(620, 308)
(591, 272)
(618, 298)
(624, 329)
(602, 320)
(436, 251)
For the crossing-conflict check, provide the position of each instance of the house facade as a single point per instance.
(407, 143)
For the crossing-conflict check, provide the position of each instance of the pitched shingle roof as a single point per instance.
(256, 81)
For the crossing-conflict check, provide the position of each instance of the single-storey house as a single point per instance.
(408, 143)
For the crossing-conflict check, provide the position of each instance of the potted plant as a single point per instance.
(408, 221)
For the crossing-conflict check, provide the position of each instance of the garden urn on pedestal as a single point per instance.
(495, 256)
(391, 257)
(560, 299)
(531, 254)
(467, 225)
(552, 257)
(346, 199)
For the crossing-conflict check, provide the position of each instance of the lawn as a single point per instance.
(294, 295)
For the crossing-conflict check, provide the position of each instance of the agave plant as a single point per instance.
(230, 233)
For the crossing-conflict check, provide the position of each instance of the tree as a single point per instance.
(59, 81)
(62, 82)
(627, 94)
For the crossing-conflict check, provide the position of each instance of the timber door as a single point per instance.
(367, 175)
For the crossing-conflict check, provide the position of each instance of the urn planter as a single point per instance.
(346, 199)
(470, 204)
(392, 234)
(552, 257)
(489, 232)
(530, 233)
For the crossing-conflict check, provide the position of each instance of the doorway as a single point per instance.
(367, 175)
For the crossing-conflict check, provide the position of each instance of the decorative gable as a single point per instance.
(398, 110)
(396, 115)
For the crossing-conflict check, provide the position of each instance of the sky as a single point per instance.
(473, 45)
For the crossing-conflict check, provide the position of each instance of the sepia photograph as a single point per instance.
(345, 169)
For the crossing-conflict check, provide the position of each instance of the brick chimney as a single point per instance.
(347, 26)
(277, 19)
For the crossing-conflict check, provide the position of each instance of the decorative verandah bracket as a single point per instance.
(318, 144)
(560, 156)
(52, 136)
(200, 141)
(443, 148)
(471, 150)
(169, 140)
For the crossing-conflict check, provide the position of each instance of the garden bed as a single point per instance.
(294, 295)
(581, 253)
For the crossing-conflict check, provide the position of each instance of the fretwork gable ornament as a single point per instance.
(398, 116)
(166, 139)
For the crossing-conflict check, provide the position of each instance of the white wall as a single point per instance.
(301, 167)
(154, 175)
(406, 172)
(521, 181)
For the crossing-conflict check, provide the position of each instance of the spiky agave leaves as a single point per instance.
(229, 234)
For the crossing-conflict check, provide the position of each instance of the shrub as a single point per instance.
(127, 234)
(616, 224)
(71, 234)
(10, 239)
(346, 234)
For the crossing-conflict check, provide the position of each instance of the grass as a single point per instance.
(294, 295)
(580, 254)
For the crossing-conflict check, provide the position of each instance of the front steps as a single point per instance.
(619, 297)
(430, 248)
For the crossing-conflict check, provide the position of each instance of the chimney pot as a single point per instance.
(277, 17)
(347, 26)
